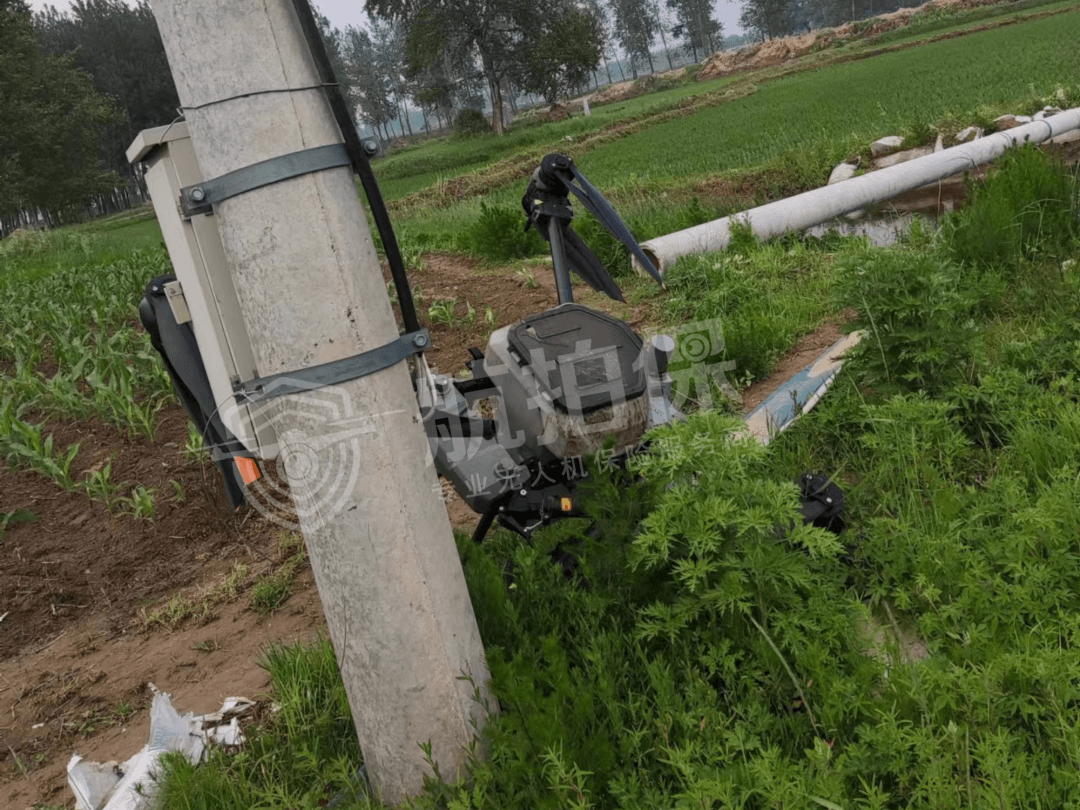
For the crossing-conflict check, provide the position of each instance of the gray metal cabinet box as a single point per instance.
(205, 281)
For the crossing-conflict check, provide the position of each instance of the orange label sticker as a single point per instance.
(249, 470)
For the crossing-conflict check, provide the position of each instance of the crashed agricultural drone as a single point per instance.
(566, 382)
(548, 390)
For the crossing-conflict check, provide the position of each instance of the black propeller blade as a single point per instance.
(585, 264)
(564, 169)
(546, 200)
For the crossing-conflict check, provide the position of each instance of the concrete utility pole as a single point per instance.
(310, 287)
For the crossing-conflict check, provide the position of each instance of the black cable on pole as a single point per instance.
(359, 159)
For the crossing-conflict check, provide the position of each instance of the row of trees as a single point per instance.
(118, 46)
(77, 86)
(75, 89)
(50, 122)
(445, 55)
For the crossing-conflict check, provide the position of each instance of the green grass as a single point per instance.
(952, 19)
(297, 757)
(422, 166)
(35, 254)
(274, 587)
(762, 297)
(853, 103)
(199, 606)
(419, 167)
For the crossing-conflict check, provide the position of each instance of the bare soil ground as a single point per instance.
(76, 654)
(77, 585)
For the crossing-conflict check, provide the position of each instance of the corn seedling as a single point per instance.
(527, 278)
(179, 496)
(442, 311)
(25, 445)
(139, 504)
(100, 487)
(194, 451)
(8, 519)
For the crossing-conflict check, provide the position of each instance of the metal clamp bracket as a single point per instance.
(201, 197)
(261, 389)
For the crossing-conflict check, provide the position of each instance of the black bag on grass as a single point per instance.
(822, 502)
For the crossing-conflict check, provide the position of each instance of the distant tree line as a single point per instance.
(444, 56)
(51, 121)
(77, 86)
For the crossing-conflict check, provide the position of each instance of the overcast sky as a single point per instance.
(351, 12)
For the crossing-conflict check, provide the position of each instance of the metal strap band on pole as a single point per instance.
(200, 199)
(336, 372)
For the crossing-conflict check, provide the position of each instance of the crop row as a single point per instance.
(792, 130)
(75, 349)
(866, 99)
(71, 348)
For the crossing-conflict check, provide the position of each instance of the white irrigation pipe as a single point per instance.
(822, 204)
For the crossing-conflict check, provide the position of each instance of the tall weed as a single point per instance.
(1028, 206)
(919, 331)
(763, 297)
(499, 234)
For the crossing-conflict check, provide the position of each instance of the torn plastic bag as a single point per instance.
(130, 786)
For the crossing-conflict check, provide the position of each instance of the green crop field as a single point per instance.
(420, 166)
(855, 103)
(35, 254)
(799, 126)
(417, 167)
(960, 19)
(70, 340)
